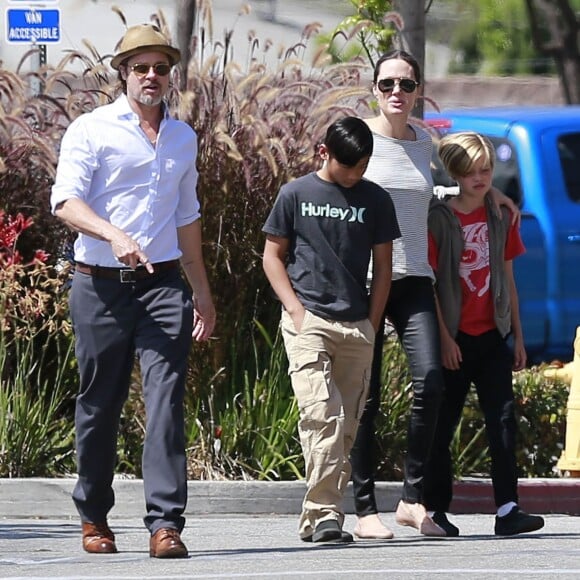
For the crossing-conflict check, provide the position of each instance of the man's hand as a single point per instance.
(204, 318)
(128, 252)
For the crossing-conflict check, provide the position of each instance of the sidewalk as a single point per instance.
(49, 498)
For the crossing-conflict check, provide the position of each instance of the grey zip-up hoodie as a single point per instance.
(445, 228)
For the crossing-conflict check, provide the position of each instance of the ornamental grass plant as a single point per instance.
(258, 128)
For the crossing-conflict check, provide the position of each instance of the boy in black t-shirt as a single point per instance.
(321, 234)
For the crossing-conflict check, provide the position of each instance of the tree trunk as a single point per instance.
(555, 30)
(186, 14)
(412, 37)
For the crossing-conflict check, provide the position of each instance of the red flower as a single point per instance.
(10, 229)
(41, 256)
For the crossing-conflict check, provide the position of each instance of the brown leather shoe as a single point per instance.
(98, 538)
(166, 543)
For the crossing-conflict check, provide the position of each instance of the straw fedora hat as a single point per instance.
(144, 38)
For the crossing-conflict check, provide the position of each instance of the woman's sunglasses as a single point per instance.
(387, 85)
(161, 69)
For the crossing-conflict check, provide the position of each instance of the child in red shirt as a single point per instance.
(471, 250)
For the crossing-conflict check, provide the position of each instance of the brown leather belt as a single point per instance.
(125, 275)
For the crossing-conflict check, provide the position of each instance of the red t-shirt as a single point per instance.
(477, 303)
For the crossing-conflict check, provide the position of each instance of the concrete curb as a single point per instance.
(51, 498)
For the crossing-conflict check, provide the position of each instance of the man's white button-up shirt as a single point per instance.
(147, 191)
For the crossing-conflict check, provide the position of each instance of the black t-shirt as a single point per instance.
(332, 230)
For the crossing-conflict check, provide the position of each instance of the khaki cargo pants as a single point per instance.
(329, 366)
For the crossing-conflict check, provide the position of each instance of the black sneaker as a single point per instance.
(440, 518)
(329, 531)
(517, 522)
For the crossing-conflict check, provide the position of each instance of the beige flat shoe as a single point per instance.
(371, 528)
(415, 516)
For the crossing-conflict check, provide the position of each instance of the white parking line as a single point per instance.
(335, 573)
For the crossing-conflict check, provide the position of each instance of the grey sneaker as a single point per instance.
(329, 531)
(517, 522)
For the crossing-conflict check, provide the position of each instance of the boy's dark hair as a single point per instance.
(348, 140)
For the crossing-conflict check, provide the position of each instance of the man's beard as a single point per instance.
(149, 100)
(144, 98)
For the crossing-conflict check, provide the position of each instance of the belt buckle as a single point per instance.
(127, 276)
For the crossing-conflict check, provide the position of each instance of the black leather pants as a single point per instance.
(411, 310)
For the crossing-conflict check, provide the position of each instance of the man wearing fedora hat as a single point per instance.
(126, 182)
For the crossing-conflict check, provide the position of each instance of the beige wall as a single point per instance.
(467, 91)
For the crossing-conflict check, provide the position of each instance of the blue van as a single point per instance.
(538, 166)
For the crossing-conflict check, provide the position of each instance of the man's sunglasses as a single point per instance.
(387, 85)
(161, 69)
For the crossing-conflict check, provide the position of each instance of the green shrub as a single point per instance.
(251, 435)
(256, 430)
(541, 420)
(391, 422)
(38, 373)
(541, 406)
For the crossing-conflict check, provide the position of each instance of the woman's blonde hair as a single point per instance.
(460, 151)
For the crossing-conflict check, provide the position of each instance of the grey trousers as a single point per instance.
(113, 323)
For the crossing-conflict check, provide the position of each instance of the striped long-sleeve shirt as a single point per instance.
(403, 169)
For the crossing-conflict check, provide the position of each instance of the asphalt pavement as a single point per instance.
(249, 530)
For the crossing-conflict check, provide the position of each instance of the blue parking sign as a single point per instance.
(33, 25)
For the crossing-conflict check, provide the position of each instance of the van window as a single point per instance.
(569, 150)
(506, 175)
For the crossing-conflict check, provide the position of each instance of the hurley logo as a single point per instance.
(351, 214)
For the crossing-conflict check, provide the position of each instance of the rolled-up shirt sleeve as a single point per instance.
(188, 206)
(76, 165)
